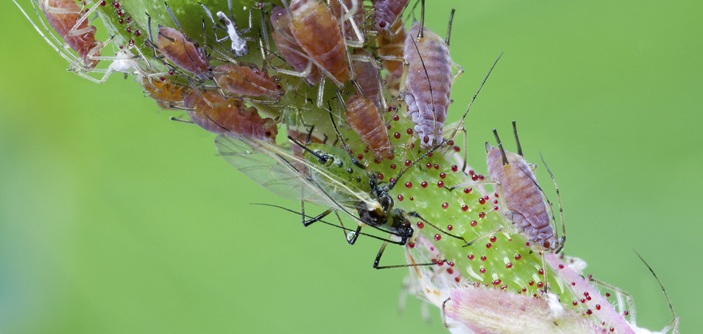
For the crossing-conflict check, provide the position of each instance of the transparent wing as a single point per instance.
(279, 171)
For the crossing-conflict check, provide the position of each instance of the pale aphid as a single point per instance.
(428, 81)
(238, 43)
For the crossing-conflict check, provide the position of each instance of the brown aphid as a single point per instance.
(387, 13)
(428, 83)
(393, 47)
(357, 17)
(524, 204)
(362, 114)
(318, 33)
(183, 53)
(165, 91)
(229, 117)
(288, 46)
(248, 81)
(367, 77)
(63, 15)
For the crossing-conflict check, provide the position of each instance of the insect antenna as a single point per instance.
(400, 174)
(449, 29)
(180, 120)
(561, 209)
(461, 122)
(517, 141)
(339, 135)
(675, 321)
(422, 23)
(500, 145)
(416, 215)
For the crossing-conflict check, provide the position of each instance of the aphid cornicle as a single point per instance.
(318, 33)
(288, 46)
(524, 204)
(63, 16)
(229, 117)
(428, 83)
(386, 13)
(249, 81)
(364, 118)
(183, 53)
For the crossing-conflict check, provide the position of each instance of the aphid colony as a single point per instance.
(364, 103)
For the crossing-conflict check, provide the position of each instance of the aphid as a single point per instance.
(249, 81)
(229, 117)
(367, 77)
(364, 118)
(238, 43)
(387, 13)
(71, 23)
(288, 46)
(318, 33)
(428, 82)
(524, 204)
(183, 53)
(393, 47)
(168, 95)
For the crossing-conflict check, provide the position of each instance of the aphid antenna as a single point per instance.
(323, 221)
(416, 215)
(500, 146)
(307, 149)
(153, 45)
(339, 135)
(422, 26)
(619, 293)
(449, 28)
(561, 209)
(461, 122)
(400, 174)
(180, 120)
(675, 321)
(358, 89)
(178, 25)
(429, 82)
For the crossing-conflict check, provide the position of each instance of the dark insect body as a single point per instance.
(183, 53)
(229, 117)
(248, 81)
(364, 118)
(318, 33)
(428, 83)
(63, 15)
(288, 46)
(386, 13)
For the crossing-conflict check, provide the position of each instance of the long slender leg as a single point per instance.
(380, 253)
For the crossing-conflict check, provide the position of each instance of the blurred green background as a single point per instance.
(115, 220)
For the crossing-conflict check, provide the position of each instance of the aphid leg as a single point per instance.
(675, 321)
(562, 240)
(380, 253)
(321, 92)
(503, 229)
(180, 120)
(444, 305)
(77, 32)
(339, 135)
(348, 15)
(416, 215)
(619, 293)
(61, 49)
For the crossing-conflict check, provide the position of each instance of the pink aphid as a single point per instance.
(428, 83)
(386, 12)
(357, 16)
(522, 196)
(183, 53)
(367, 77)
(228, 117)
(63, 15)
(288, 46)
(249, 81)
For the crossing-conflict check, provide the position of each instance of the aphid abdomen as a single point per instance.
(386, 12)
(247, 81)
(393, 47)
(368, 78)
(184, 54)
(316, 30)
(166, 91)
(63, 23)
(287, 45)
(523, 197)
(365, 120)
(427, 86)
(229, 117)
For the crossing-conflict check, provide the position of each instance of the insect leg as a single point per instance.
(498, 230)
(444, 304)
(416, 215)
(562, 240)
(380, 253)
(77, 32)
